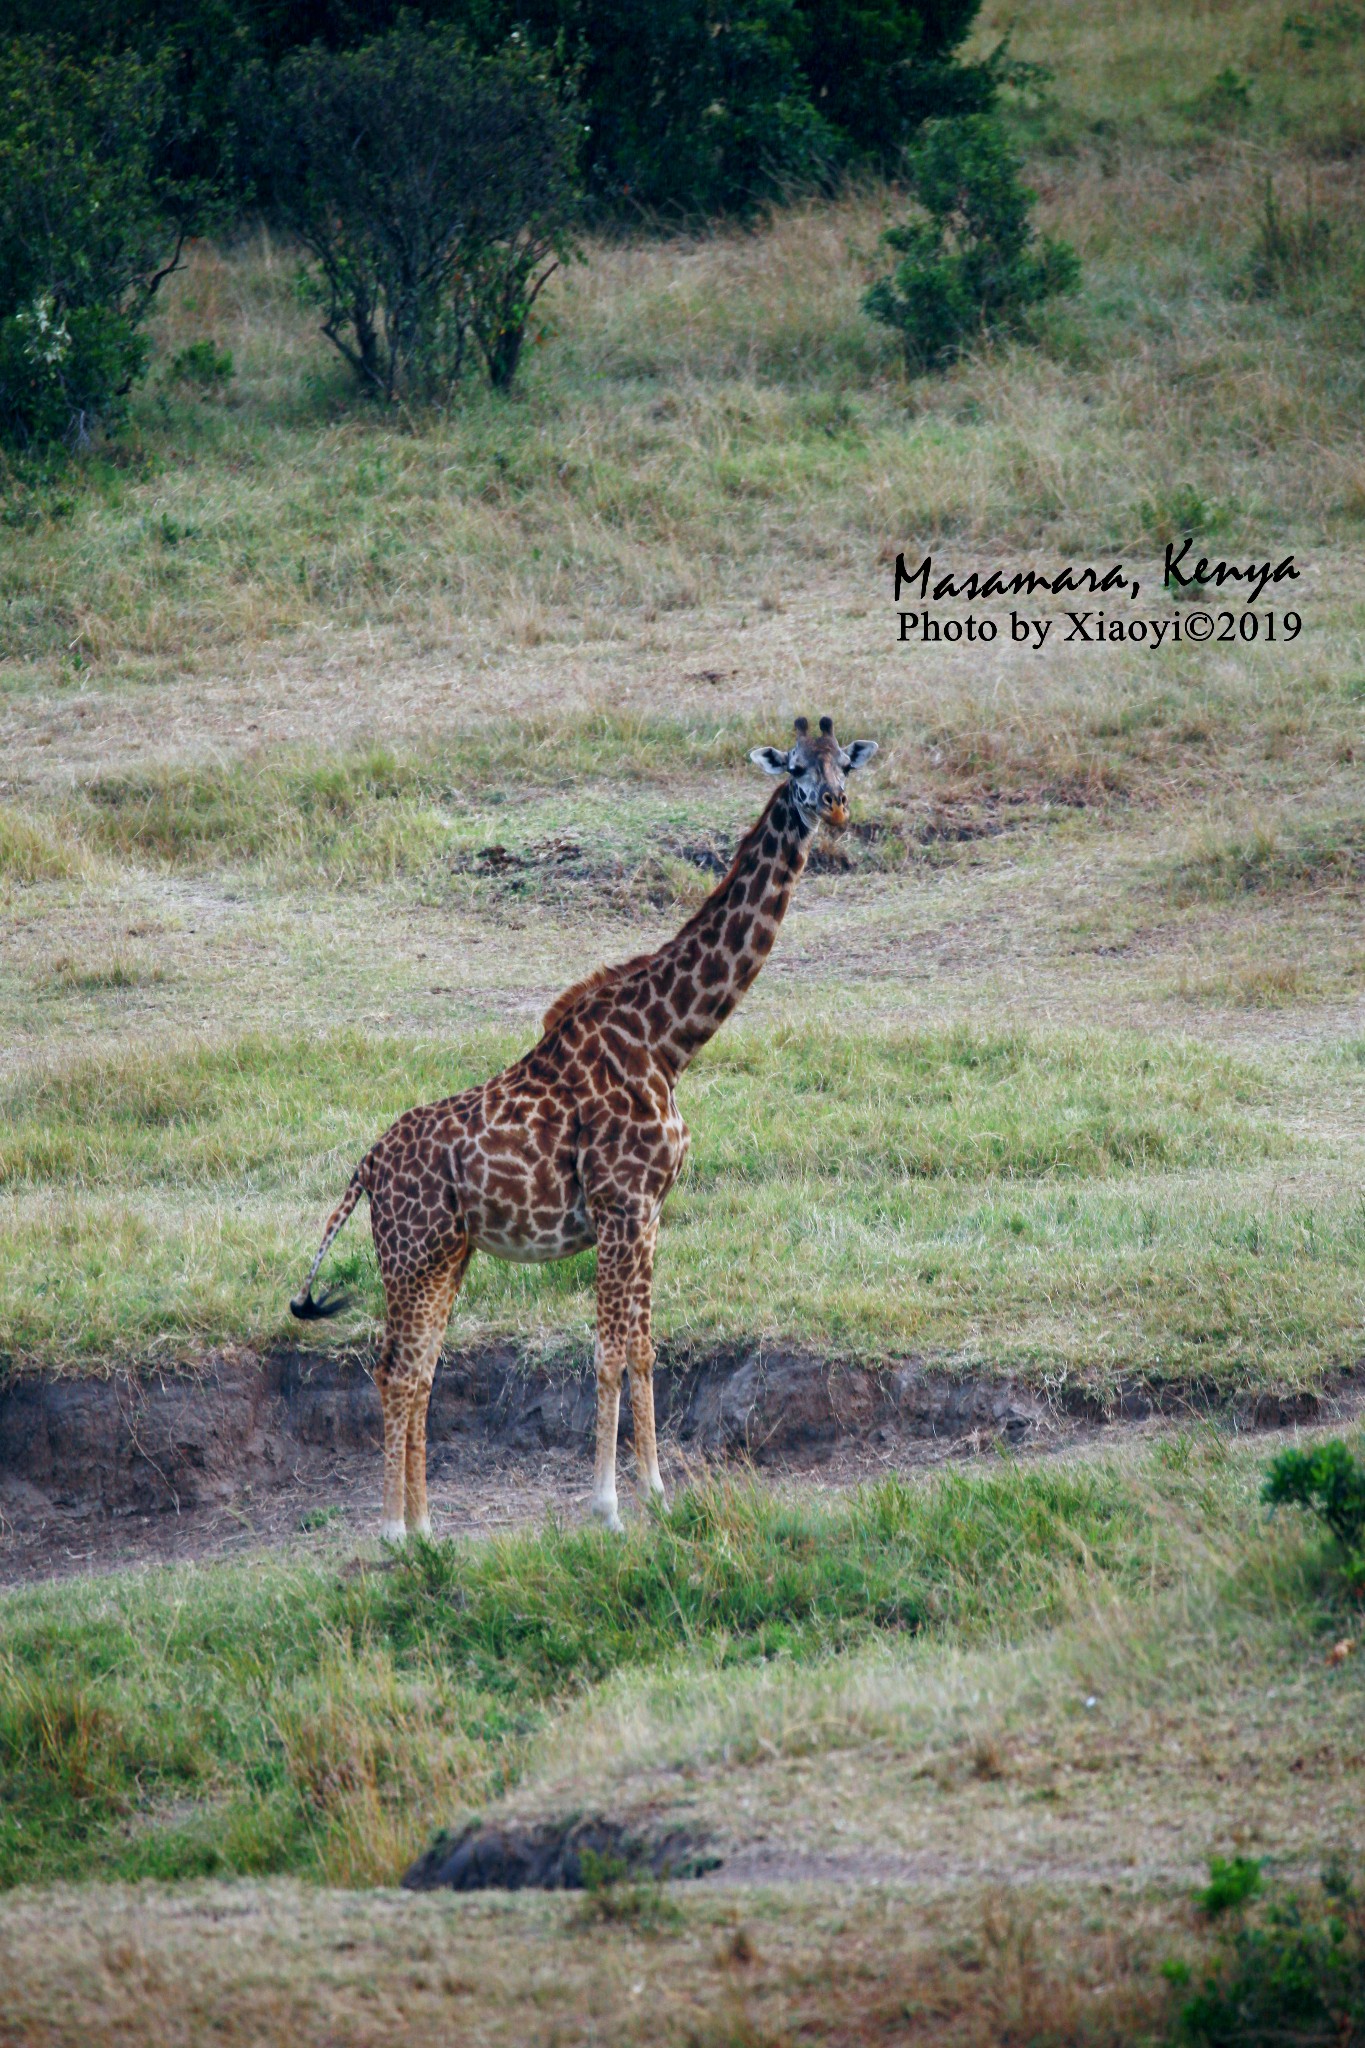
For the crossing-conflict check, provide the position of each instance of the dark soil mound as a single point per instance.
(554, 1856)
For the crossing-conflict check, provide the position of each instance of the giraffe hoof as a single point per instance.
(607, 1515)
(422, 1528)
(392, 1532)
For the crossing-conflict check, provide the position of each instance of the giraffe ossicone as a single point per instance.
(578, 1142)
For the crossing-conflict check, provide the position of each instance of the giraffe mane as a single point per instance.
(600, 976)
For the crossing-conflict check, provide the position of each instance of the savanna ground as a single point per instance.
(335, 745)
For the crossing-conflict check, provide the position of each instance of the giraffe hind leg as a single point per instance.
(418, 1311)
(416, 1512)
(648, 1478)
(640, 1357)
(625, 1272)
(395, 1398)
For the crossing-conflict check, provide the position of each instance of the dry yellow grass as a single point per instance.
(250, 1963)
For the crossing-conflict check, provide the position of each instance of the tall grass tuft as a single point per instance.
(38, 849)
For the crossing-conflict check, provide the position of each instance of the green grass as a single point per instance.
(371, 815)
(1155, 73)
(282, 1717)
(1273, 859)
(366, 815)
(296, 1716)
(957, 1104)
(1073, 1204)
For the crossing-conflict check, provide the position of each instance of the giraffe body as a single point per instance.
(575, 1144)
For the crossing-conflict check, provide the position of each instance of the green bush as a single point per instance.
(1330, 1483)
(434, 187)
(86, 237)
(1295, 1975)
(204, 365)
(970, 261)
(1232, 1881)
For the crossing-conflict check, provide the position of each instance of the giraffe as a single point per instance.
(577, 1143)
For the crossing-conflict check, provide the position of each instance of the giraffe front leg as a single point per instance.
(610, 1366)
(625, 1246)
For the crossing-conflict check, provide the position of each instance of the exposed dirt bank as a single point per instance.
(100, 1471)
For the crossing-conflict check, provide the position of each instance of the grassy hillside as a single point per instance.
(707, 419)
(337, 742)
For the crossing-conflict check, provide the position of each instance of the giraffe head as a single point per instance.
(816, 767)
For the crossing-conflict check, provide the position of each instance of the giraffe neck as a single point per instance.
(696, 979)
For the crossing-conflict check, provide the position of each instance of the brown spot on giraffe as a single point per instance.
(578, 1142)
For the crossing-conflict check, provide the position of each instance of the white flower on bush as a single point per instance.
(46, 340)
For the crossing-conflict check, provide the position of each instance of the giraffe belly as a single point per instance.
(527, 1245)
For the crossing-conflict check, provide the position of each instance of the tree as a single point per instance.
(971, 261)
(87, 234)
(693, 107)
(436, 189)
(700, 107)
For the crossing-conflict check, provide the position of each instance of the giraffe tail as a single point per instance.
(303, 1305)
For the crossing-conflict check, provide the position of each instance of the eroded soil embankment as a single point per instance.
(141, 1444)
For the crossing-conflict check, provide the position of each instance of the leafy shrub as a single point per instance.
(694, 109)
(1224, 99)
(1297, 1974)
(1178, 509)
(971, 262)
(1336, 23)
(203, 364)
(613, 1897)
(1330, 1483)
(700, 108)
(86, 237)
(436, 190)
(1232, 1881)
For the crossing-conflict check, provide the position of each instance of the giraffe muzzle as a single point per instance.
(834, 814)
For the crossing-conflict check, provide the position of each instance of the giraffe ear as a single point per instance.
(770, 758)
(859, 754)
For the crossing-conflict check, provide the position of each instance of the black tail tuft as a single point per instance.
(308, 1311)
